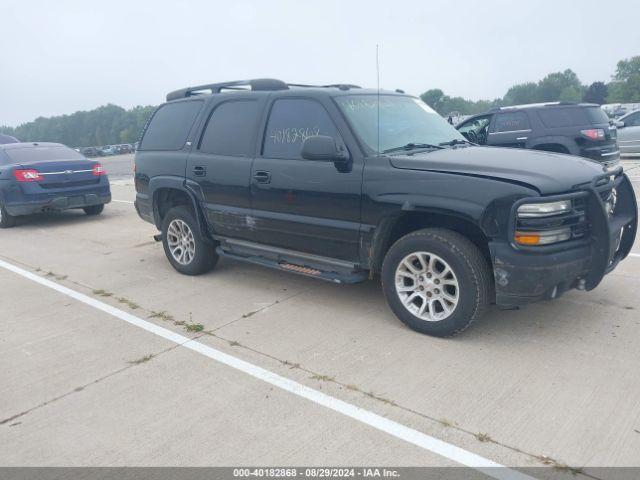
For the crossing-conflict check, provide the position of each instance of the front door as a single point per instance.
(629, 135)
(304, 205)
(509, 129)
(219, 167)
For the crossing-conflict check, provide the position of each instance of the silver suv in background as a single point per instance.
(629, 134)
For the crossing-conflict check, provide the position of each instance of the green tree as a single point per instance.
(522, 93)
(106, 125)
(433, 98)
(596, 93)
(554, 85)
(625, 87)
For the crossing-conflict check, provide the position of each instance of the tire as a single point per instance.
(94, 209)
(6, 220)
(184, 245)
(430, 307)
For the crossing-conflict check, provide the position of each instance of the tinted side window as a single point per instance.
(632, 120)
(291, 121)
(170, 126)
(564, 117)
(508, 122)
(596, 115)
(230, 128)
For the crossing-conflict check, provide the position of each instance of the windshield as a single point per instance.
(403, 121)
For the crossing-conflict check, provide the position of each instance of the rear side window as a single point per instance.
(509, 122)
(291, 121)
(42, 153)
(230, 128)
(596, 115)
(572, 117)
(170, 126)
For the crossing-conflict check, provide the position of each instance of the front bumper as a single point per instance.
(523, 275)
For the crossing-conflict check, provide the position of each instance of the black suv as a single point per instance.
(578, 129)
(342, 183)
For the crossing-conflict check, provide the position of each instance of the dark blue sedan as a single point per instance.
(43, 177)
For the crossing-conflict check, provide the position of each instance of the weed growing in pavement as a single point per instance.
(162, 315)
(102, 293)
(194, 327)
(131, 304)
(146, 358)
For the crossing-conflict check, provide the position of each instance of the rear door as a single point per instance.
(509, 129)
(165, 145)
(304, 205)
(219, 167)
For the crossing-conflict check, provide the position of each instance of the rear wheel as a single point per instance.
(6, 220)
(185, 247)
(436, 281)
(94, 209)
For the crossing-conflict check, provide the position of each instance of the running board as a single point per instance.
(323, 268)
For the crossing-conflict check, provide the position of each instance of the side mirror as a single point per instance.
(322, 148)
(619, 124)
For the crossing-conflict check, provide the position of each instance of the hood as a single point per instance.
(548, 173)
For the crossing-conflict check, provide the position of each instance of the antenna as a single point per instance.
(378, 82)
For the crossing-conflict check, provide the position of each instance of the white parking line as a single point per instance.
(422, 440)
(121, 201)
(634, 255)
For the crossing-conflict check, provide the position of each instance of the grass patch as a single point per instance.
(233, 343)
(446, 423)
(323, 378)
(129, 303)
(102, 293)
(291, 365)
(162, 315)
(484, 437)
(194, 327)
(144, 359)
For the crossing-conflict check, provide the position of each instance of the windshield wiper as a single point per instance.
(455, 141)
(412, 146)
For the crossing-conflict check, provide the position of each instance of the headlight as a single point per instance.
(543, 237)
(530, 210)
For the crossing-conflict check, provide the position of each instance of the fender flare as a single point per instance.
(382, 232)
(176, 183)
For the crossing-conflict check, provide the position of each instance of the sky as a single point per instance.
(61, 56)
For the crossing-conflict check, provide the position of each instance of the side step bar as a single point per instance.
(329, 269)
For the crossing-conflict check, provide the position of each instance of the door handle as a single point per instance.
(199, 171)
(262, 177)
(521, 139)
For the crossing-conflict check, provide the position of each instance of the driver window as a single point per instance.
(291, 121)
(633, 121)
(476, 129)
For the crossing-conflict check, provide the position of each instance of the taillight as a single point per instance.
(593, 133)
(29, 175)
(98, 170)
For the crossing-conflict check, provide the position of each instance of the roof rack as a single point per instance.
(258, 84)
(532, 105)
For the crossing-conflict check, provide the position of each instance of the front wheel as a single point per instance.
(436, 281)
(184, 245)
